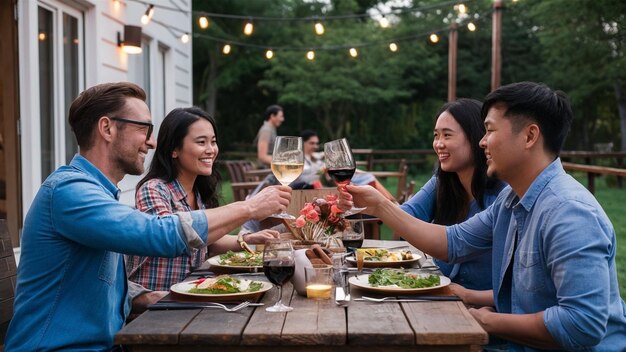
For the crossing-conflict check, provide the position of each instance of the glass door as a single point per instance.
(61, 70)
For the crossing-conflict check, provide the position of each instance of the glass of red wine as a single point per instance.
(352, 237)
(279, 266)
(340, 165)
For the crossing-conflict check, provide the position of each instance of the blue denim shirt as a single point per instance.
(564, 263)
(474, 273)
(71, 291)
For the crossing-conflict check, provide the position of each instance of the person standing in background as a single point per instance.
(264, 139)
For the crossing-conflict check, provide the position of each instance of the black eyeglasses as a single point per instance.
(140, 123)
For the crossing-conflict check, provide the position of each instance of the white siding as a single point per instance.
(105, 62)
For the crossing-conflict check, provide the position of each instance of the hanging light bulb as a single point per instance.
(248, 28)
(269, 54)
(393, 47)
(319, 28)
(203, 22)
(310, 55)
(462, 8)
(184, 38)
(353, 52)
(226, 49)
(384, 22)
(434, 38)
(147, 16)
(471, 26)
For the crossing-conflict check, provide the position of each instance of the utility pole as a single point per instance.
(452, 48)
(496, 39)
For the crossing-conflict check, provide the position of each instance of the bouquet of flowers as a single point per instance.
(321, 221)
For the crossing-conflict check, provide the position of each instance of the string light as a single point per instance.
(384, 22)
(226, 49)
(42, 36)
(203, 22)
(269, 54)
(184, 38)
(462, 8)
(353, 52)
(310, 55)
(393, 47)
(434, 38)
(147, 16)
(319, 28)
(248, 28)
(471, 26)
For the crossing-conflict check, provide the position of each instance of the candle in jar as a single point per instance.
(318, 291)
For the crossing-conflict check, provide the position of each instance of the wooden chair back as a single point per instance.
(244, 177)
(8, 271)
(237, 170)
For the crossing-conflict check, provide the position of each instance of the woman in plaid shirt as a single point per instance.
(181, 178)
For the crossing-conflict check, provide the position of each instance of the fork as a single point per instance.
(372, 299)
(176, 306)
(240, 306)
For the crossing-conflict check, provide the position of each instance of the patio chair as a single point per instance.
(8, 271)
(244, 177)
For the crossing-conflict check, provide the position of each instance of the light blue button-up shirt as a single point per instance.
(564, 263)
(71, 291)
(474, 273)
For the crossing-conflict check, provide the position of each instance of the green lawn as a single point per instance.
(611, 199)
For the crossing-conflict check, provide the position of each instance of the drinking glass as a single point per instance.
(287, 163)
(279, 266)
(340, 165)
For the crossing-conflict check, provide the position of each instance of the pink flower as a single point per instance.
(306, 209)
(334, 210)
(300, 221)
(313, 216)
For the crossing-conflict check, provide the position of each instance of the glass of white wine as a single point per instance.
(287, 163)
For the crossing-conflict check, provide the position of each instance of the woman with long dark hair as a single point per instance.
(460, 187)
(182, 177)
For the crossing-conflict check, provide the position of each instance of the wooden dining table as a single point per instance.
(313, 325)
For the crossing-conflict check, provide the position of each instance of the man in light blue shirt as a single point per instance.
(72, 292)
(554, 276)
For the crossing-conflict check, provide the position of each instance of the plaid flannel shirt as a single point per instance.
(156, 273)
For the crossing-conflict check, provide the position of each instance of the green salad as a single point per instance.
(231, 258)
(225, 284)
(401, 278)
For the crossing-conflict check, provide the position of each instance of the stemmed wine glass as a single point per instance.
(287, 163)
(340, 165)
(279, 266)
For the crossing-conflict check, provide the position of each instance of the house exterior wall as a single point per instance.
(169, 75)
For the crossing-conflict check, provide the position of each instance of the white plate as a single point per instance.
(361, 281)
(215, 261)
(182, 288)
(397, 264)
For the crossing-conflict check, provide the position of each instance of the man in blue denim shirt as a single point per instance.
(554, 276)
(72, 292)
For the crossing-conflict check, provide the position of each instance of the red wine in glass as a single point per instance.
(279, 272)
(342, 175)
(279, 266)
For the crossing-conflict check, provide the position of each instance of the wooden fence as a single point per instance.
(375, 159)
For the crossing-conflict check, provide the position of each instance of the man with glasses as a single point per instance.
(72, 291)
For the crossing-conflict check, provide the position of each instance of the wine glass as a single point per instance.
(340, 165)
(287, 163)
(279, 266)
